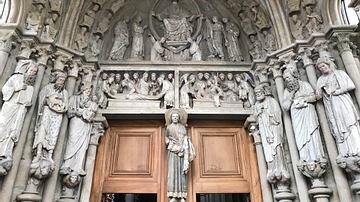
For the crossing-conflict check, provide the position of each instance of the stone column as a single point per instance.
(100, 124)
(6, 45)
(251, 125)
(30, 193)
(342, 42)
(340, 179)
(280, 86)
(50, 188)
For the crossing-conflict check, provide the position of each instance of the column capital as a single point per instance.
(98, 129)
(8, 40)
(341, 41)
(61, 59)
(276, 68)
(87, 73)
(262, 72)
(73, 67)
(305, 54)
(43, 54)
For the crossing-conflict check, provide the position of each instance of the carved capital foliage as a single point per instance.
(7, 41)
(98, 129)
(305, 54)
(262, 72)
(73, 68)
(60, 60)
(87, 73)
(44, 53)
(275, 67)
(321, 49)
(341, 41)
(27, 47)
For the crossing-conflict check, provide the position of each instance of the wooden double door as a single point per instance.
(132, 159)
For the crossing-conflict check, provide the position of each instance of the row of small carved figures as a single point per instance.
(230, 87)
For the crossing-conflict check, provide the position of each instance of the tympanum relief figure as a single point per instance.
(17, 96)
(50, 28)
(313, 20)
(181, 153)
(34, 19)
(121, 40)
(232, 33)
(137, 33)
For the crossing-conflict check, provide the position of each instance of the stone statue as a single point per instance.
(34, 19)
(94, 46)
(17, 96)
(181, 153)
(232, 33)
(297, 27)
(101, 89)
(137, 33)
(217, 34)
(81, 43)
(50, 30)
(214, 92)
(255, 48)
(55, 6)
(314, 21)
(246, 24)
(333, 87)
(121, 35)
(186, 90)
(103, 25)
(176, 21)
(234, 6)
(269, 39)
(89, 17)
(167, 91)
(230, 89)
(53, 103)
(293, 6)
(268, 114)
(260, 19)
(245, 89)
(194, 50)
(144, 86)
(81, 112)
(298, 99)
(157, 50)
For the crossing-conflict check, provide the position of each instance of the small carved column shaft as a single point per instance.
(98, 127)
(341, 181)
(50, 189)
(253, 131)
(9, 180)
(300, 180)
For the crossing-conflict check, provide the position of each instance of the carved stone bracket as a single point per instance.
(43, 54)
(61, 59)
(27, 47)
(98, 130)
(73, 68)
(87, 73)
(262, 73)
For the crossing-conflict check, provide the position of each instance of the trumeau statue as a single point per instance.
(121, 40)
(268, 114)
(17, 95)
(81, 112)
(53, 103)
(181, 153)
(299, 97)
(333, 88)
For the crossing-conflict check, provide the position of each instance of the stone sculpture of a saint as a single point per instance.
(181, 153)
(268, 114)
(53, 104)
(17, 96)
(333, 87)
(81, 112)
(299, 97)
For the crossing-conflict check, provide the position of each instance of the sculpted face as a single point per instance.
(288, 77)
(61, 80)
(32, 71)
(260, 95)
(87, 91)
(324, 68)
(175, 118)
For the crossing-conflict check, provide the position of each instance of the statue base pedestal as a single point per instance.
(29, 196)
